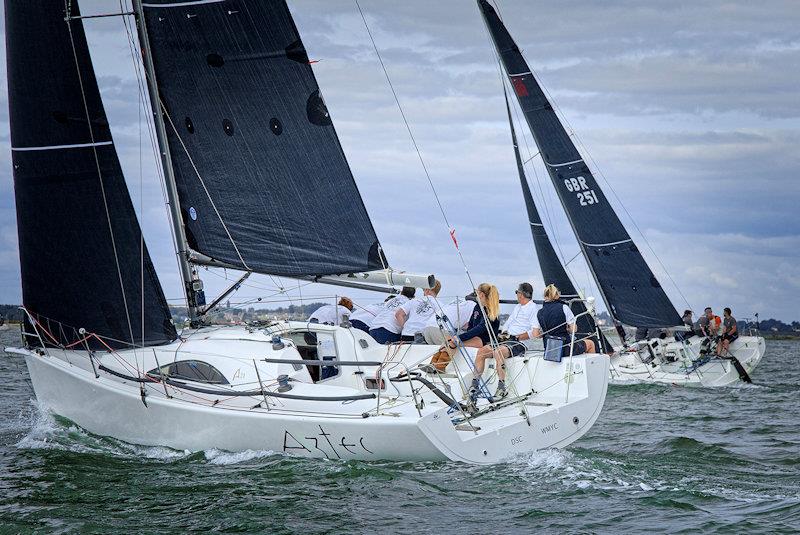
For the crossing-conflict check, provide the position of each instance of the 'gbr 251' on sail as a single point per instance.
(257, 181)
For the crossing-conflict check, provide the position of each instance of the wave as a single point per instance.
(222, 457)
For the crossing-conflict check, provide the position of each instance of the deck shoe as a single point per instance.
(501, 392)
(474, 389)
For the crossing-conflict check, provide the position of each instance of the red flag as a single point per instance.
(453, 236)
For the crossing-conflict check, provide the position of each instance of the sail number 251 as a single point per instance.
(578, 185)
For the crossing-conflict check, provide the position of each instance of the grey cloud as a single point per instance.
(688, 109)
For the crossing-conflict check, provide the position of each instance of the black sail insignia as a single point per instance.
(261, 176)
(553, 271)
(629, 287)
(82, 257)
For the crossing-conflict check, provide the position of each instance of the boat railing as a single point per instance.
(382, 373)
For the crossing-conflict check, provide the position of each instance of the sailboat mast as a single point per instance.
(182, 246)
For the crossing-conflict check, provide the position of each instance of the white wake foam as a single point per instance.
(215, 456)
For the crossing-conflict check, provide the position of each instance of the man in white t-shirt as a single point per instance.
(332, 314)
(363, 315)
(415, 314)
(519, 321)
(384, 328)
(457, 314)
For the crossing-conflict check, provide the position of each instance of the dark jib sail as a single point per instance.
(80, 245)
(553, 271)
(631, 291)
(262, 179)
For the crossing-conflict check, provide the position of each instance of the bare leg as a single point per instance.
(480, 359)
(590, 346)
(500, 356)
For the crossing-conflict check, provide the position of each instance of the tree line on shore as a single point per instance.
(14, 314)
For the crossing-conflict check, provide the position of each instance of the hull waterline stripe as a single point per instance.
(58, 147)
(606, 244)
(565, 163)
(183, 4)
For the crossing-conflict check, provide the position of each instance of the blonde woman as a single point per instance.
(477, 333)
(557, 320)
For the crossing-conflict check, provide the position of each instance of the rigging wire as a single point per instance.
(164, 110)
(144, 99)
(450, 229)
(68, 6)
(139, 111)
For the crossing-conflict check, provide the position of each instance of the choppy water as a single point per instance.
(660, 459)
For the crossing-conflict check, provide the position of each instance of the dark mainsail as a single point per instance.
(81, 250)
(553, 271)
(631, 291)
(262, 179)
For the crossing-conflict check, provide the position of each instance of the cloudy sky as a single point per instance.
(690, 111)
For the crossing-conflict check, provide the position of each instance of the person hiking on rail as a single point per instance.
(730, 332)
(557, 320)
(363, 315)
(413, 316)
(384, 328)
(332, 314)
(702, 327)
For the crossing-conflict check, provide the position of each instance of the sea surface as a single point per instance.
(659, 460)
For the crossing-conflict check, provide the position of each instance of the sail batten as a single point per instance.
(83, 261)
(262, 179)
(630, 289)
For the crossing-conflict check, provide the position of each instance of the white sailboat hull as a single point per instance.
(681, 363)
(562, 409)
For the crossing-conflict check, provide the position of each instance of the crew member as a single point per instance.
(415, 314)
(332, 314)
(557, 321)
(384, 328)
(478, 332)
(730, 332)
(515, 332)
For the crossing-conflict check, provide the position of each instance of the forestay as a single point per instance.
(84, 263)
(553, 271)
(262, 179)
(630, 289)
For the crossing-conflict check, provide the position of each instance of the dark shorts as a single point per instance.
(360, 325)
(579, 348)
(406, 338)
(384, 336)
(730, 337)
(516, 348)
